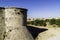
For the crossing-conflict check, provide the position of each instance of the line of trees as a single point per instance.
(37, 22)
(43, 22)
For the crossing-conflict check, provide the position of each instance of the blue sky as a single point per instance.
(36, 8)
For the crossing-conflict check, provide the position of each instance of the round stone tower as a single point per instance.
(15, 24)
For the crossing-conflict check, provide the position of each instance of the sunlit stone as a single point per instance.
(13, 24)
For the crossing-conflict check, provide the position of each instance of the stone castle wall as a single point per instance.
(2, 23)
(13, 24)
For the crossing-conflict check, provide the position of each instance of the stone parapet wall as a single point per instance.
(50, 34)
(13, 24)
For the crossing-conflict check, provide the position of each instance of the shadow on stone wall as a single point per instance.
(35, 31)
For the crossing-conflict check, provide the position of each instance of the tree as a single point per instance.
(32, 22)
(36, 22)
(40, 22)
(58, 22)
(52, 21)
(44, 24)
(28, 22)
(46, 20)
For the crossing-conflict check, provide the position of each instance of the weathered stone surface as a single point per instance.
(50, 34)
(12, 25)
(2, 23)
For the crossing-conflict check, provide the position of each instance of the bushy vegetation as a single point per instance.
(37, 22)
(58, 22)
(52, 21)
